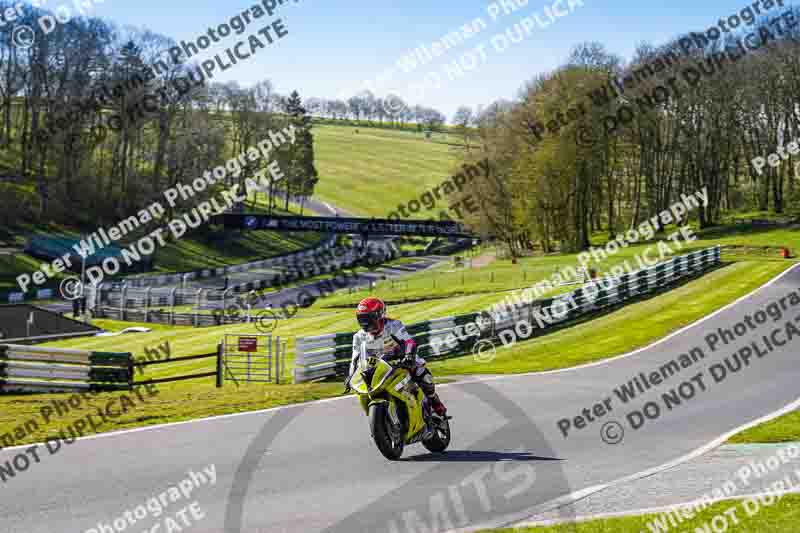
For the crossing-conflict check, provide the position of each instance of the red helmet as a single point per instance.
(371, 315)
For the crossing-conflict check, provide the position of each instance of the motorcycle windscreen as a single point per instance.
(369, 378)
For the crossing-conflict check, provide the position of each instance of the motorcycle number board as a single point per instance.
(248, 344)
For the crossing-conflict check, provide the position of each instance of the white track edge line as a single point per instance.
(662, 509)
(588, 491)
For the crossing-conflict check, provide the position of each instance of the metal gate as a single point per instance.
(249, 358)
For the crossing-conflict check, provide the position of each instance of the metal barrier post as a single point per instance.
(130, 371)
(283, 356)
(172, 306)
(225, 304)
(277, 359)
(124, 296)
(220, 376)
(268, 355)
(197, 307)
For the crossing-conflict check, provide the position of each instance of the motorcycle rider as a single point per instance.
(388, 337)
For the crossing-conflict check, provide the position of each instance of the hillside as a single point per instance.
(371, 172)
(365, 173)
(204, 248)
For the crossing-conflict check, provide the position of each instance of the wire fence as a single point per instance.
(195, 305)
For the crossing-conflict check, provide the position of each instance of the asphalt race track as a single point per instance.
(292, 295)
(313, 468)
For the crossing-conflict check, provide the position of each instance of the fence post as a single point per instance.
(124, 297)
(283, 356)
(197, 307)
(219, 366)
(225, 305)
(172, 306)
(98, 302)
(277, 359)
(92, 289)
(130, 371)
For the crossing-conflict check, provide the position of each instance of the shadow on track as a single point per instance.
(476, 456)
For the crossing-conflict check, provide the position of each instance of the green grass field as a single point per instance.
(780, 517)
(371, 172)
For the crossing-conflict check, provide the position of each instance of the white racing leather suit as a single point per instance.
(384, 344)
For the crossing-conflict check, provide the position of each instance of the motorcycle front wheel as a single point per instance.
(440, 440)
(388, 439)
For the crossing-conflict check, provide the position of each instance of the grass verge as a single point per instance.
(785, 428)
(780, 517)
(172, 402)
(626, 329)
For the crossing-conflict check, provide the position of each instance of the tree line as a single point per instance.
(579, 152)
(390, 110)
(84, 173)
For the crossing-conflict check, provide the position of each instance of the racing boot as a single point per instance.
(425, 381)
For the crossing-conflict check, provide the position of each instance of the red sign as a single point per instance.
(248, 344)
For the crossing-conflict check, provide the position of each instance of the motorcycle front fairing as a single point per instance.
(376, 381)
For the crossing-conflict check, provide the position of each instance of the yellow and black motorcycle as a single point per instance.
(399, 414)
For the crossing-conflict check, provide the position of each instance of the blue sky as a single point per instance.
(334, 46)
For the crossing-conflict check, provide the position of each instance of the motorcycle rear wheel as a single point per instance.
(386, 438)
(440, 439)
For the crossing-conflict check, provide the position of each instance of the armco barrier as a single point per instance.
(150, 304)
(178, 278)
(39, 369)
(44, 292)
(329, 355)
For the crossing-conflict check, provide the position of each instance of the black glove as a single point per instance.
(409, 361)
(403, 359)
